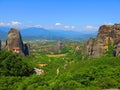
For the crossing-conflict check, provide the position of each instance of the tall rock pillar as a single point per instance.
(14, 42)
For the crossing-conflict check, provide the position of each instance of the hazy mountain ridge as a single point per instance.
(41, 33)
(3, 32)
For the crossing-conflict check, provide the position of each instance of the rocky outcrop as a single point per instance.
(116, 37)
(26, 49)
(14, 42)
(57, 48)
(108, 34)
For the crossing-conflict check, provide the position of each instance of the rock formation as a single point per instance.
(108, 34)
(57, 48)
(14, 42)
(26, 49)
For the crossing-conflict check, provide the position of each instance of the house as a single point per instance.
(38, 71)
(16, 50)
(43, 65)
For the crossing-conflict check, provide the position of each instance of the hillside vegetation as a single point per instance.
(74, 73)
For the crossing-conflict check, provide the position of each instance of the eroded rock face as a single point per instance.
(116, 37)
(90, 47)
(14, 42)
(107, 34)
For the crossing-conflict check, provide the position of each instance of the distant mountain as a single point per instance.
(41, 33)
(34, 31)
(3, 32)
(2, 35)
(5, 29)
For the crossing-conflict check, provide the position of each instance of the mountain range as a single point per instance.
(33, 33)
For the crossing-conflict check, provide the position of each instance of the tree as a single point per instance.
(109, 52)
(11, 65)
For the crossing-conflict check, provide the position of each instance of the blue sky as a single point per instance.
(59, 14)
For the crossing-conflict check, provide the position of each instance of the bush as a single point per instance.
(107, 82)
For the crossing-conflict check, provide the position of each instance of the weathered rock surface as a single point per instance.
(108, 34)
(14, 42)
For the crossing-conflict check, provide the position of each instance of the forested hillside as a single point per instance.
(61, 73)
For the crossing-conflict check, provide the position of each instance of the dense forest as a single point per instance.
(66, 70)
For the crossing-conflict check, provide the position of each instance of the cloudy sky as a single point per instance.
(59, 14)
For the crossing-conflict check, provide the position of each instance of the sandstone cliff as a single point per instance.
(107, 34)
(14, 42)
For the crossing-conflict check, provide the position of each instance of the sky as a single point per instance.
(59, 14)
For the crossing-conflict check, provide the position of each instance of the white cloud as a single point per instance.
(73, 27)
(39, 26)
(69, 27)
(2, 24)
(91, 27)
(15, 23)
(58, 24)
(66, 27)
(108, 23)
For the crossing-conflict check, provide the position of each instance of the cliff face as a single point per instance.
(108, 34)
(14, 42)
(116, 37)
